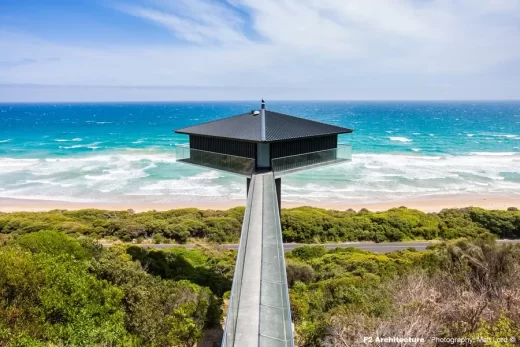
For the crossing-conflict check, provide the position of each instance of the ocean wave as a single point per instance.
(8, 165)
(400, 139)
(490, 136)
(5, 141)
(93, 145)
(122, 174)
(76, 139)
(495, 154)
(185, 187)
(48, 182)
(386, 177)
(209, 175)
(156, 176)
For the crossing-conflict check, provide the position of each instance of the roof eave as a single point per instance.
(218, 137)
(346, 131)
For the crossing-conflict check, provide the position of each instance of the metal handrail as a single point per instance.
(303, 161)
(238, 275)
(323, 150)
(234, 164)
(289, 335)
(201, 150)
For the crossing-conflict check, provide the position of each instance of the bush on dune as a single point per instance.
(57, 290)
(309, 225)
(462, 288)
(303, 224)
(177, 225)
(214, 271)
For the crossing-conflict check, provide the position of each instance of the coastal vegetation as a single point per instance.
(301, 225)
(461, 289)
(59, 286)
(59, 290)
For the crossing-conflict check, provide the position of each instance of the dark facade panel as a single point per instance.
(225, 146)
(300, 146)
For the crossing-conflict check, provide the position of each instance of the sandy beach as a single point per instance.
(433, 204)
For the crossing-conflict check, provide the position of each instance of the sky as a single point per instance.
(160, 50)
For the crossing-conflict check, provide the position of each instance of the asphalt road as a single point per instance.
(373, 247)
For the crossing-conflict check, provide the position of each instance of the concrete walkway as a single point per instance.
(259, 312)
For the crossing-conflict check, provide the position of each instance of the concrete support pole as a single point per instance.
(278, 183)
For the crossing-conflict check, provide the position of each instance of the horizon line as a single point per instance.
(4, 102)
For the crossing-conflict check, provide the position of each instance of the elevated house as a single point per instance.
(263, 140)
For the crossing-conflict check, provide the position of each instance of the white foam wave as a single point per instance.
(509, 136)
(400, 139)
(416, 149)
(90, 145)
(495, 154)
(207, 175)
(49, 182)
(186, 188)
(76, 139)
(118, 175)
(8, 165)
(5, 141)
(490, 136)
(155, 176)
(386, 177)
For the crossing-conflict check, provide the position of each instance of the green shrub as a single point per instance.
(54, 243)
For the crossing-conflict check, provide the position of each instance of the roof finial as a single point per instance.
(262, 120)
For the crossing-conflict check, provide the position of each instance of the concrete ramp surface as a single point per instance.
(259, 310)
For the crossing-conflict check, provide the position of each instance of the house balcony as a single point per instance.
(229, 163)
(294, 163)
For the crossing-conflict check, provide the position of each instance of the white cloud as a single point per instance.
(198, 21)
(345, 49)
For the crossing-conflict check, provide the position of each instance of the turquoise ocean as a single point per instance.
(125, 152)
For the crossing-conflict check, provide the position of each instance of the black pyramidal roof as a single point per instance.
(278, 127)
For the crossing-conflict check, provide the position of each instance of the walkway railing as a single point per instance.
(293, 163)
(236, 289)
(225, 162)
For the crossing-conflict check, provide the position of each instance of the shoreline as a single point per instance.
(433, 204)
